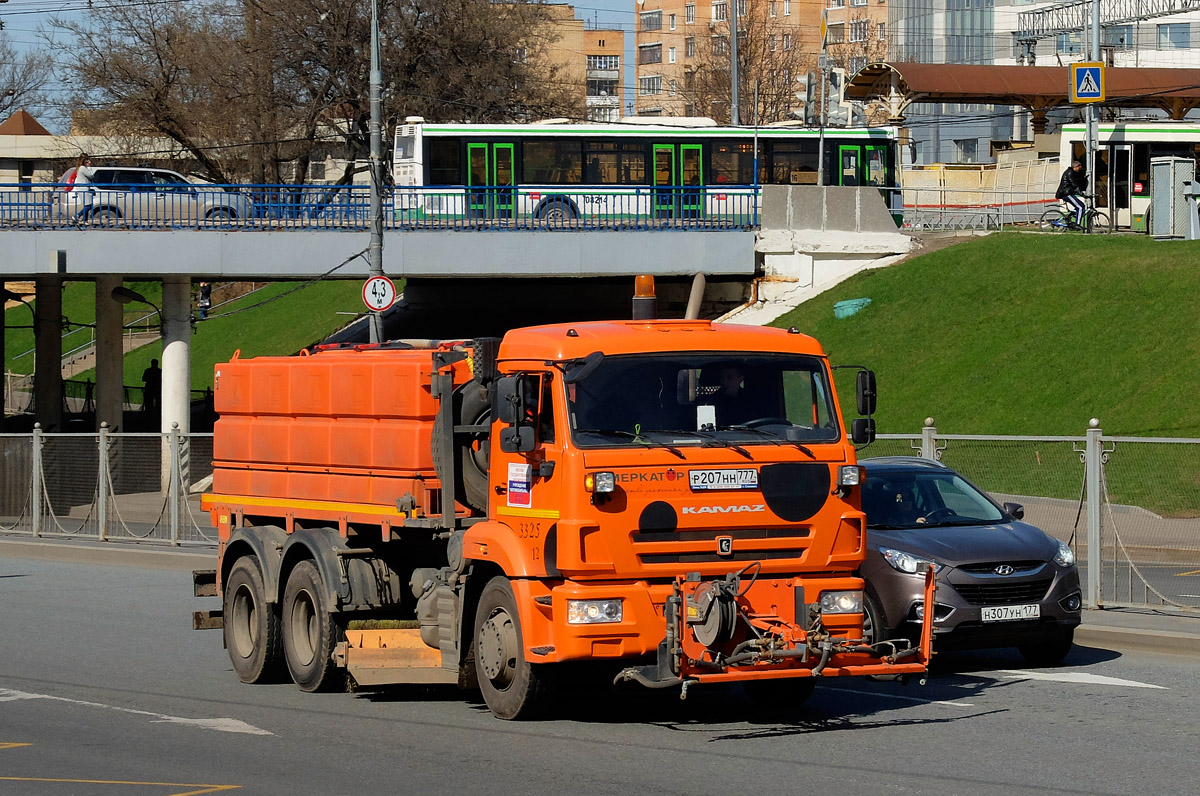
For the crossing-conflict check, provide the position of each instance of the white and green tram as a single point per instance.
(1123, 161)
(643, 168)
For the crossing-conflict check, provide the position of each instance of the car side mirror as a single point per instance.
(511, 407)
(517, 439)
(862, 430)
(1016, 510)
(865, 392)
(508, 404)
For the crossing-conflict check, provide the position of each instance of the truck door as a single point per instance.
(490, 180)
(529, 484)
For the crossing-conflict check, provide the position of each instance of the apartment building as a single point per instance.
(857, 33)
(590, 60)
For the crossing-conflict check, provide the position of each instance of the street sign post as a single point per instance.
(1087, 82)
(379, 293)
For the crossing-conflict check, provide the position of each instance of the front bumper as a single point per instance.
(731, 629)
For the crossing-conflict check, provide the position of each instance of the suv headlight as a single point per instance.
(1065, 556)
(907, 562)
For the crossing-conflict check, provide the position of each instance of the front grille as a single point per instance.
(1003, 592)
(700, 546)
(1019, 567)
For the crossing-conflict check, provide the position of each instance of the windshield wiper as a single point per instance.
(638, 438)
(704, 435)
(774, 438)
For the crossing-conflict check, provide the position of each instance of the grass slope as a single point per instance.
(1018, 333)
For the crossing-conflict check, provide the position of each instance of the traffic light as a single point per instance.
(837, 111)
(809, 95)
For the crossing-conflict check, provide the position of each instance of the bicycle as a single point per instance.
(1062, 218)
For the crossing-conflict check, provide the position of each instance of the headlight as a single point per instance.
(849, 475)
(600, 482)
(841, 602)
(907, 562)
(593, 612)
(1066, 556)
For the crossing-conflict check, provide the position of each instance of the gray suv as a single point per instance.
(137, 196)
(1000, 581)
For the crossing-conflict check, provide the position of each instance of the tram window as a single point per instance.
(615, 163)
(733, 163)
(445, 161)
(553, 162)
(794, 162)
(1141, 170)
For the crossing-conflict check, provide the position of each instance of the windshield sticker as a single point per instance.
(520, 480)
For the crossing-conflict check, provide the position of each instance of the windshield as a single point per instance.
(899, 499)
(705, 399)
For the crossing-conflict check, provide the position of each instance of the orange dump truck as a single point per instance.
(676, 498)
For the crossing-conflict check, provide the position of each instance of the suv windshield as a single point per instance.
(703, 399)
(901, 499)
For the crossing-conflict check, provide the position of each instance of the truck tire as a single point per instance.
(511, 686)
(309, 632)
(471, 407)
(251, 625)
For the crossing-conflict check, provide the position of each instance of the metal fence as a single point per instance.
(108, 487)
(940, 208)
(1128, 506)
(347, 207)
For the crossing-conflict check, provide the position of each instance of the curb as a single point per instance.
(72, 551)
(1137, 640)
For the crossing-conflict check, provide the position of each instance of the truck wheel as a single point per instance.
(309, 633)
(511, 687)
(251, 625)
(471, 407)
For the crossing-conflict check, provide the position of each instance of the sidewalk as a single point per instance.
(1143, 629)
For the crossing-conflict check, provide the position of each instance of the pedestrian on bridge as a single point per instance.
(151, 387)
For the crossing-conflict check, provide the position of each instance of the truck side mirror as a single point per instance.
(517, 439)
(865, 390)
(862, 430)
(512, 408)
(508, 404)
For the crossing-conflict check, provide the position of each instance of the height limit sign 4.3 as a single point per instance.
(379, 293)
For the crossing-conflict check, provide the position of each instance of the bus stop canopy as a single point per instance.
(1037, 88)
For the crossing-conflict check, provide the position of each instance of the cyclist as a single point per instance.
(1070, 189)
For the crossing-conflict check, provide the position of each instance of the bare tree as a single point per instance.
(258, 88)
(23, 79)
(771, 54)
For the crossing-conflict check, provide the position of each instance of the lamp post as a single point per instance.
(124, 295)
(375, 248)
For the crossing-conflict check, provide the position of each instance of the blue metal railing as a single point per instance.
(332, 207)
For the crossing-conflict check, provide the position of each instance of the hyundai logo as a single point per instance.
(1004, 569)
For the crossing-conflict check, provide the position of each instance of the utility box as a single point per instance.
(1169, 209)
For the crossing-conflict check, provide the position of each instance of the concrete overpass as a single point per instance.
(801, 227)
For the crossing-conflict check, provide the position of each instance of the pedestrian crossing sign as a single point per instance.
(1087, 82)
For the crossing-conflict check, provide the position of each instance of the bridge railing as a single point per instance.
(347, 207)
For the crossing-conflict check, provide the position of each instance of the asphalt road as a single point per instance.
(105, 689)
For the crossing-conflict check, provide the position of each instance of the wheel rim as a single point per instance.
(555, 215)
(497, 649)
(303, 626)
(245, 622)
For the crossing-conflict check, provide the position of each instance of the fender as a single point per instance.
(323, 546)
(265, 542)
(497, 542)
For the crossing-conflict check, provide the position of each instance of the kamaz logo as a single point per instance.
(745, 507)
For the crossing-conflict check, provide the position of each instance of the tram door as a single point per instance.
(1120, 182)
(678, 181)
(849, 169)
(490, 180)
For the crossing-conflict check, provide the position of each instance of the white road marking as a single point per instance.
(220, 725)
(1082, 678)
(954, 703)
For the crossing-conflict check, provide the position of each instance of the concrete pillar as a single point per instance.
(177, 353)
(47, 335)
(110, 355)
